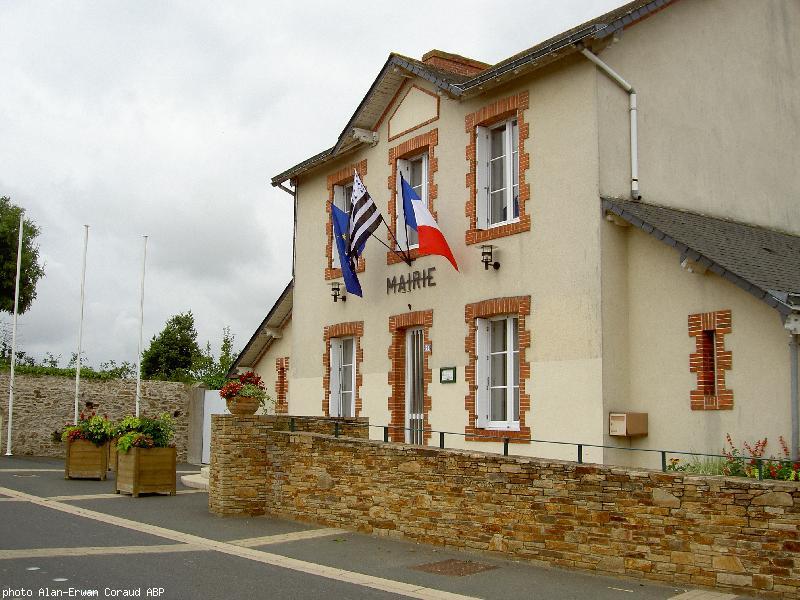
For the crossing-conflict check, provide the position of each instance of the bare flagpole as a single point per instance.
(141, 326)
(80, 326)
(14, 337)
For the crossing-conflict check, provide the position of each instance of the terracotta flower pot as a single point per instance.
(240, 405)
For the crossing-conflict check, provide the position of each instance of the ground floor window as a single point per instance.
(342, 379)
(496, 342)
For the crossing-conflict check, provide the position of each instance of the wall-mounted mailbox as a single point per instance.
(627, 424)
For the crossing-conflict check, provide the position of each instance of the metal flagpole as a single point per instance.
(80, 326)
(14, 337)
(141, 325)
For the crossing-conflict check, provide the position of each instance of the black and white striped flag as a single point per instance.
(364, 217)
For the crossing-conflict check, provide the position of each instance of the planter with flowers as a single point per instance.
(146, 456)
(245, 394)
(87, 447)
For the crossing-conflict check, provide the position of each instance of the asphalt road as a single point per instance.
(76, 538)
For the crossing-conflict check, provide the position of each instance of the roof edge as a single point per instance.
(609, 204)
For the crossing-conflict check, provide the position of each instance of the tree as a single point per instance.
(31, 271)
(173, 352)
(210, 371)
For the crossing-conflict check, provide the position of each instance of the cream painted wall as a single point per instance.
(414, 107)
(660, 297)
(556, 263)
(719, 110)
(266, 366)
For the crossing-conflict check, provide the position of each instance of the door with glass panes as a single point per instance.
(415, 417)
(341, 402)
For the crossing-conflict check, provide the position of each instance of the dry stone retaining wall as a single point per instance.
(737, 534)
(44, 403)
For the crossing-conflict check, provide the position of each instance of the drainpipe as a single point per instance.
(793, 343)
(635, 193)
(792, 324)
(293, 194)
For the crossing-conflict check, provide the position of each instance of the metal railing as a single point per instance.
(579, 446)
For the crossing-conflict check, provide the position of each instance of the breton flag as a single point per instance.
(364, 217)
(340, 223)
(420, 219)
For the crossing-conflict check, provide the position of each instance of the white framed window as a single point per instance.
(415, 172)
(497, 174)
(343, 200)
(497, 372)
(341, 399)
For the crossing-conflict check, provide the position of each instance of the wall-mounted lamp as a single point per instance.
(337, 293)
(486, 257)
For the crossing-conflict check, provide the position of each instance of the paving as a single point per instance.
(58, 535)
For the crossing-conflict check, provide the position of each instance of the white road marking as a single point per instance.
(379, 583)
(703, 595)
(95, 550)
(31, 470)
(287, 537)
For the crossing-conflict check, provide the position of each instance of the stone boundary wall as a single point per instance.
(736, 534)
(44, 403)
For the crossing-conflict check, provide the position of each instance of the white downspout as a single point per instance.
(635, 194)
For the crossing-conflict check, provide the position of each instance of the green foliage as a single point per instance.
(174, 352)
(211, 371)
(699, 465)
(94, 428)
(144, 432)
(31, 271)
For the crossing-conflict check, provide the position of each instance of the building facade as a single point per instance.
(644, 265)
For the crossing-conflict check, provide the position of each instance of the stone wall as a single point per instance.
(737, 534)
(44, 403)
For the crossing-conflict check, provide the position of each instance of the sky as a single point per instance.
(168, 119)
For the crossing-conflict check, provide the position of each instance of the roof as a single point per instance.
(761, 261)
(267, 332)
(397, 68)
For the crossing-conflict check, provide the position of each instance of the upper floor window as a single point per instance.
(415, 171)
(497, 372)
(497, 173)
(343, 200)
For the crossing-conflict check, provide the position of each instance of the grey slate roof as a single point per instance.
(263, 337)
(388, 80)
(762, 261)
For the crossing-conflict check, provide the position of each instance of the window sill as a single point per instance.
(478, 236)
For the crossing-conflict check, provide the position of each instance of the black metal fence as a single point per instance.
(760, 461)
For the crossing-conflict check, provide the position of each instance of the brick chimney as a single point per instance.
(453, 63)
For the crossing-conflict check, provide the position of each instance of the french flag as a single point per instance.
(420, 219)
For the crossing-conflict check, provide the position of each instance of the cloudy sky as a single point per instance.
(169, 118)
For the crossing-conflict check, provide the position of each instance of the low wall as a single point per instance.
(44, 403)
(737, 534)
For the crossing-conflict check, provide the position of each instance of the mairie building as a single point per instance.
(623, 203)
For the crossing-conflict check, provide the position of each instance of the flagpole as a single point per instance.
(407, 255)
(141, 326)
(80, 325)
(14, 337)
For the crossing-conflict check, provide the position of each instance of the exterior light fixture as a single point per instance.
(337, 293)
(487, 259)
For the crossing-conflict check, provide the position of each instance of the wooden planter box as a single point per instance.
(112, 455)
(146, 470)
(84, 460)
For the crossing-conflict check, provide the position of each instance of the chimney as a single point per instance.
(453, 63)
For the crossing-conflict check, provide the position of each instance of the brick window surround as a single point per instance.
(501, 110)
(414, 146)
(705, 328)
(521, 307)
(397, 374)
(340, 177)
(354, 329)
(282, 385)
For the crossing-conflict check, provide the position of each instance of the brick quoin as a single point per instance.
(341, 177)
(282, 385)
(702, 361)
(354, 329)
(501, 110)
(397, 374)
(414, 146)
(521, 307)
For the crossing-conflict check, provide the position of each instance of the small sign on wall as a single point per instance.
(447, 375)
